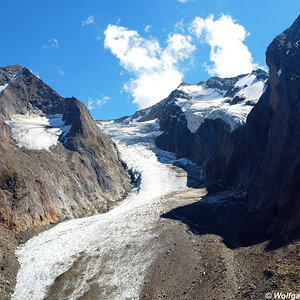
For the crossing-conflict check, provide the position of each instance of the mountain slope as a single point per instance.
(55, 162)
(258, 153)
(265, 156)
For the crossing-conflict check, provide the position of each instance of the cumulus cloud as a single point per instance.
(155, 69)
(96, 102)
(52, 43)
(229, 55)
(89, 20)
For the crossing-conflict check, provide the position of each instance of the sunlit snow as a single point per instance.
(37, 132)
(2, 87)
(115, 248)
(209, 103)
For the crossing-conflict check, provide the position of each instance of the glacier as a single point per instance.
(112, 250)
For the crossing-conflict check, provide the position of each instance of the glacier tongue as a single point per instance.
(108, 252)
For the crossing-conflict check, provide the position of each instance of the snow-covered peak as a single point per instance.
(211, 100)
(229, 99)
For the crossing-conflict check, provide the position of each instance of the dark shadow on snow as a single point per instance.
(194, 174)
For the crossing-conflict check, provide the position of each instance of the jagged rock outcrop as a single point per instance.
(265, 155)
(78, 173)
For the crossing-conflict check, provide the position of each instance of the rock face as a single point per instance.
(55, 162)
(265, 155)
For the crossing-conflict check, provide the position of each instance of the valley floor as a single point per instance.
(195, 266)
(144, 249)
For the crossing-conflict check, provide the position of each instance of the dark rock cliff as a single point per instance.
(265, 155)
(79, 176)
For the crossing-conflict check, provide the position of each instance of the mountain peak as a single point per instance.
(51, 149)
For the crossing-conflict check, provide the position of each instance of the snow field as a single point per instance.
(37, 132)
(208, 103)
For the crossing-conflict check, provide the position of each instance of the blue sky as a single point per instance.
(118, 56)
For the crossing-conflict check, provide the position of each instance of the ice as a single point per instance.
(2, 87)
(114, 248)
(210, 103)
(199, 92)
(246, 80)
(252, 88)
(37, 132)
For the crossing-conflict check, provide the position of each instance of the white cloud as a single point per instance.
(147, 28)
(52, 43)
(89, 20)
(96, 102)
(155, 70)
(229, 55)
(179, 26)
(184, 1)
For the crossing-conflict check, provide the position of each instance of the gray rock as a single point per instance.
(265, 155)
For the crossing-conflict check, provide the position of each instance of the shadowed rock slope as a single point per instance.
(265, 155)
(79, 174)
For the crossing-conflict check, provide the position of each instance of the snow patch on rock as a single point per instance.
(37, 132)
(4, 86)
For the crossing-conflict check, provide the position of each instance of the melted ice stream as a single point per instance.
(105, 255)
